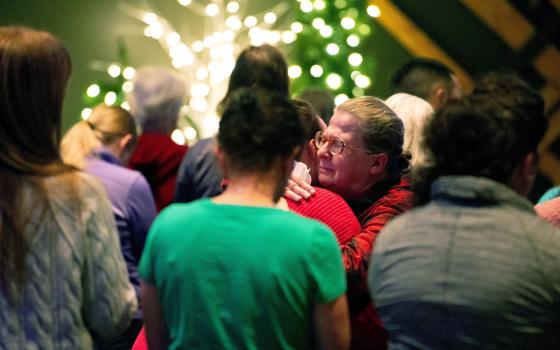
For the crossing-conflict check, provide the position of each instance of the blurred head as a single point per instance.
(156, 99)
(260, 134)
(486, 137)
(428, 79)
(361, 146)
(260, 66)
(108, 126)
(512, 91)
(34, 71)
(415, 113)
(311, 125)
(321, 101)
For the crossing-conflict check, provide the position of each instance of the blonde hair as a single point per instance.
(415, 113)
(105, 125)
(382, 131)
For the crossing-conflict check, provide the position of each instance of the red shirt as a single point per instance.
(329, 208)
(157, 157)
(387, 201)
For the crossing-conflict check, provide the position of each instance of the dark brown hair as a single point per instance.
(260, 66)
(34, 70)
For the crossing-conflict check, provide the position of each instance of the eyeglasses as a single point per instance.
(336, 145)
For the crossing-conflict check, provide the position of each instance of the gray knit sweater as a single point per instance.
(77, 287)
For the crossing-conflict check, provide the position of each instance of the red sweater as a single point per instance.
(388, 201)
(157, 157)
(330, 209)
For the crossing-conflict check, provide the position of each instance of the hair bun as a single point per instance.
(245, 98)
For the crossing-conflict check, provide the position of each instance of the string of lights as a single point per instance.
(324, 41)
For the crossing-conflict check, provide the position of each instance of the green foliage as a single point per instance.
(351, 28)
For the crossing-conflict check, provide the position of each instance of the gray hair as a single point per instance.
(156, 98)
(415, 113)
(382, 131)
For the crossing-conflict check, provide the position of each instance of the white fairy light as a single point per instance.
(347, 23)
(110, 98)
(212, 10)
(184, 2)
(294, 71)
(333, 49)
(288, 36)
(250, 21)
(318, 23)
(173, 38)
(233, 22)
(154, 30)
(334, 81)
(200, 90)
(201, 73)
(341, 98)
(326, 31)
(93, 90)
(150, 18)
(127, 86)
(232, 7)
(114, 70)
(198, 46)
(373, 11)
(211, 123)
(86, 113)
(229, 35)
(355, 59)
(129, 73)
(306, 6)
(270, 17)
(353, 40)
(178, 137)
(198, 104)
(125, 105)
(296, 27)
(362, 81)
(319, 5)
(316, 70)
(189, 133)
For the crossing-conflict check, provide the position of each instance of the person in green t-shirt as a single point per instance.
(234, 271)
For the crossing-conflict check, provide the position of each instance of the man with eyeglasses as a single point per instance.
(361, 159)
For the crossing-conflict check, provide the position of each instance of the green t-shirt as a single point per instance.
(232, 277)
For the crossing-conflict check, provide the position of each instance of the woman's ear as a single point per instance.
(124, 141)
(378, 163)
(523, 175)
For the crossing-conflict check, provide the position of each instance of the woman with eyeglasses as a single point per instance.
(324, 205)
(234, 271)
(63, 281)
(361, 158)
(100, 146)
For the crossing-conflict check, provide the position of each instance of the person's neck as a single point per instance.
(248, 190)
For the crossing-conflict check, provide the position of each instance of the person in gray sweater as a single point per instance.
(473, 266)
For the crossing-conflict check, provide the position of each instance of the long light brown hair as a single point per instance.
(34, 70)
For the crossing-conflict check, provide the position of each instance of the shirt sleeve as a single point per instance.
(199, 174)
(325, 266)
(356, 253)
(109, 299)
(142, 213)
(146, 267)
